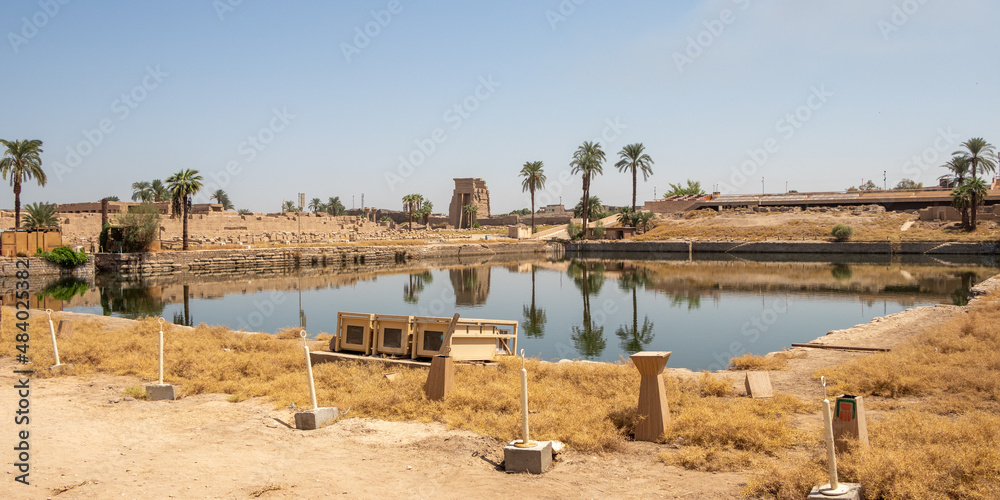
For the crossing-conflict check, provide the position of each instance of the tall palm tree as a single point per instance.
(334, 206)
(979, 153)
(534, 317)
(634, 158)
(160, 191)
(183, 185)
(958, 166)
(40, 215)
(22, 161)
(534, 178)
(316, 205)
(221, 198)
(588, 160)
(411, 203)
(142, 191)
(471, 211)
(978, 190)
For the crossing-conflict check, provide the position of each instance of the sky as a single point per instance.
(384, 98)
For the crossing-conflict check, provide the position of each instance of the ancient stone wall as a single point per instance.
(468, 191)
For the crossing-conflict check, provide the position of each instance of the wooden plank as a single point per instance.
(327, 356)
(843, 347)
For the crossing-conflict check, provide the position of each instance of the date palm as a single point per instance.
(588, 161)
(334, 206)
(533, 179)
(471, 210)
(21, 162)
(40, 215)
(411, 203)
(221, 198)
(979, 153)
(183, 185)
(142, 191)
(316, 205)
(160, 191)
(958, 167)
(634, 159)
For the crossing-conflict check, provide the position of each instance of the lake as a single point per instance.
(705, 309)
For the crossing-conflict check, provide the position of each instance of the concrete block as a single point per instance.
(310, 420)
(534, 460)
(157, 392)
(852, 492)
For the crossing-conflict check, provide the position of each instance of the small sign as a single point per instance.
(847, 409)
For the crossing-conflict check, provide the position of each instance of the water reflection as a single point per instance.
(588, 338)
(471, 284)
(65, 288)
(534, 317)
(130, 300)
(633, 337)
(415, 285)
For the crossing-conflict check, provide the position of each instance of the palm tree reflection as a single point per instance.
(633, 337)
(588, 339)
(534, 317)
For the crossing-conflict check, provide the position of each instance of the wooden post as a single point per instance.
(161, 320)
(441, 376)
(309, 371)
(652, 400)
(52, 330)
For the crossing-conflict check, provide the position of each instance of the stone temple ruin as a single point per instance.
(468, 191)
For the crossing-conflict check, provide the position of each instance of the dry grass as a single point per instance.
(943, 439)
(770, 362)
(709, 225)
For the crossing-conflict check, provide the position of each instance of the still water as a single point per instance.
(705, 309)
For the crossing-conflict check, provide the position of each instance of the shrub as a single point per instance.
(574, 231)
(842, 232)
(598, 230)
(65, 256)
(140, 226)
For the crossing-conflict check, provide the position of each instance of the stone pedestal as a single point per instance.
(441, 377)
(852, 492)
(310, 420)
(758, 385)
(849, 422)
(535, 460)
(652, 399)
(158, 392)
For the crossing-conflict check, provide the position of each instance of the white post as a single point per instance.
(525, 442)
(161, 320)
(309, 371)
(52, 330)
(834, 487)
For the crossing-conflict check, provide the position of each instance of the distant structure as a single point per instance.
(553, 210)
(468, 192)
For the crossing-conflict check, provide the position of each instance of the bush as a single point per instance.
(65, 256)
(842, 232)
(574, 231)
(140, 226)
(599, 230)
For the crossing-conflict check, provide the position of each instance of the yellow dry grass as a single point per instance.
(709, 225)
(941, 437)
(769, 362)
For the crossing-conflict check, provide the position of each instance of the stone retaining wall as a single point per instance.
(38, 266)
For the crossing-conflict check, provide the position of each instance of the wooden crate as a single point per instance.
(473, 340)
(354, 332)
(393, 334)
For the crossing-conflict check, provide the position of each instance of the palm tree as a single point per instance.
(471, 211)
(289, 207)
(534, 317)
(334, 206)
(425, 211)
(978, 151)
(416, 285)
(221, 198)
(21, 162)
(316, 205)
(958, 166)
(978, 190)
(534, 178)
(587, 160)
(411, 203)
(183, 185)
(626, 217)
(643, 220)
(243, 211)
(160, 191)
(142, 191)
(38, 215)
(634, 158)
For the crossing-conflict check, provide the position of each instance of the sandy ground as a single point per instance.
(88, 441)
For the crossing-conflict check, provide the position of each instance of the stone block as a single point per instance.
(157, 392)
(758, 385)
(535, 460)
(852, 491)
(314, 419)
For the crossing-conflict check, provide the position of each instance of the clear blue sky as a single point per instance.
(885, 89)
